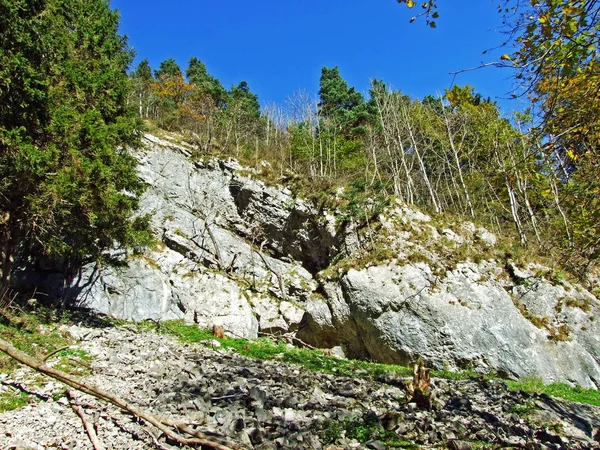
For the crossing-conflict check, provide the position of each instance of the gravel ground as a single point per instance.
(269, 405)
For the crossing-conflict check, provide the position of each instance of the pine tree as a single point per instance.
(341, 105)
(206, 83)
(168, 68)
(242, 97)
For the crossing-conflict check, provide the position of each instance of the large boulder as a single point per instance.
(395, 314)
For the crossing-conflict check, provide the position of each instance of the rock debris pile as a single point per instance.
(269, 404)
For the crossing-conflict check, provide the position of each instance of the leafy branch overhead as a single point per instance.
(429, 10)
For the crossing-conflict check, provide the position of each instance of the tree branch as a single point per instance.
(167, 426)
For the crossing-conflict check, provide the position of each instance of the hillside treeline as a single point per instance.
(453, 153)
(69, 110)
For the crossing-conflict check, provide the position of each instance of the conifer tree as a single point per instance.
(206, 83)
(68, 187)
(168, 68)
(340, 104)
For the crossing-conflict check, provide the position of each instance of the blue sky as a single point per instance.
(280, 46)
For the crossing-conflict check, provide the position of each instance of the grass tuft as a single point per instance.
(13, 399)
(535, 385)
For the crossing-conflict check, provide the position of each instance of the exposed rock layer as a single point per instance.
(253, 258)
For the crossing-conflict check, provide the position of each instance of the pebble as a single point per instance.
(268, 404)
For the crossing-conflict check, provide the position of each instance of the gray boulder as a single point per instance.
(395, 314)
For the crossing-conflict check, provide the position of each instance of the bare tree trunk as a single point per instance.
(457, 162)
(415, 147)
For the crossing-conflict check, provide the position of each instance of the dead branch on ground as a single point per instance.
(96, 442)
(169, 427)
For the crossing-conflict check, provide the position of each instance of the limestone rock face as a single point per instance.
(236, 253)
(396, 314)
(215, 262)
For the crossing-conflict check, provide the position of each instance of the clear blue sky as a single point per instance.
(280, 46)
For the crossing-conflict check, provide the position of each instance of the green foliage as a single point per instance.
(206, 83)
(364, 428)
(244, 101)
(141, 93)
(35, 334)
(266, 349)
(13, 399)
(341, 107)
(68, 187)
(168, 69)
(557, 61)
(363, 200)
(535, 385)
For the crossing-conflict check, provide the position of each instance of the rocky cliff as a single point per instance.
(235, 252)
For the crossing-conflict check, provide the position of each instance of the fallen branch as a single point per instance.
(49, 355)
(167, 426)
(88, 426)
(154, 441)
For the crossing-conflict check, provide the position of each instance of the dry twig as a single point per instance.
(96, 442)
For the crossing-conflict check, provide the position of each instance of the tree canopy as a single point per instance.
(556, 60)
(68, 187)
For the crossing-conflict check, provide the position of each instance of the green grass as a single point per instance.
(267, 349)
(39, 336)
(523, 409)
(35, 334)
(363, 429)
(535, 385)
(315, 360)
(13, 400)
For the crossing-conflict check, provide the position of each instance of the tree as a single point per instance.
(241, 96)
(142, 79)
(206, 83)
(167, 69)
(340, 104)
(69, 188)
(557, 63)
(429, 11)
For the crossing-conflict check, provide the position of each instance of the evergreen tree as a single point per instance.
(340, 105)
(206, 83)
(241, 96)
(144, 72)
(168, 68)
(68, 188)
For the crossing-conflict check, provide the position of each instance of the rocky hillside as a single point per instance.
(254, 259)
(269, 404)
